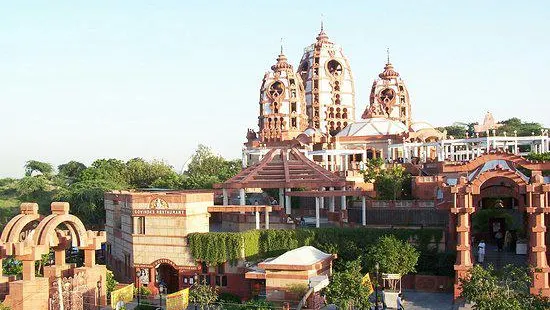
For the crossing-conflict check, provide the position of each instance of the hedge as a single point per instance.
(348, 243)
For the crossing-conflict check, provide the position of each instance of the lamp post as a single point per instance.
(377, 268)
(162, 289)
(139, 273)
(98, 303)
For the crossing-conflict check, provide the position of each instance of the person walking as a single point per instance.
(508, 241)
(500, 240)
(400, 302)
(481, 252)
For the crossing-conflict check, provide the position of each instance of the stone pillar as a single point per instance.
(331, 201)
(537, 257)
(89, 258)
(28, 270)
(242, 197)
(322, 199)
(288, 203)
(317, 216)
(343, 199)
(266, 219)
(59, 257)
(225, 197)
(363, 210)
(464, 255)
(257, 215)
(281, 197)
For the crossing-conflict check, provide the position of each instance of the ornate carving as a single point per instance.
(70, 291)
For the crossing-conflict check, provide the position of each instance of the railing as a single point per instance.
(425, 204)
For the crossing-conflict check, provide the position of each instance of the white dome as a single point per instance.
(416, 126)
(373, 127)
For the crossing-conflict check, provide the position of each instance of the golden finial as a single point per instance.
(388, 55)
(322, 22)
(281, 46)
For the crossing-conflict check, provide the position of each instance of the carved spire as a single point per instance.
(281, 61)
(389, 72)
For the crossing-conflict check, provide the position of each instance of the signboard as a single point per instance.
(365, 281)
(124, 295)
(178, 300)
(157, 212)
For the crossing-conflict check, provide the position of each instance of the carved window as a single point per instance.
(139, 225)
(386, 96)
(303, 69)
(334, 68)
(117, 217)
(276, 89)
(293, 107)
(293, 93)
(221, 280)
(293, 122)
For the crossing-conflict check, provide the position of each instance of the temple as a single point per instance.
(310, 150)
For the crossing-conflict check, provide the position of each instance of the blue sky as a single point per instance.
(81, 80)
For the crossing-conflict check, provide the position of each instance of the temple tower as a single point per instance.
(328, 84)
(389, 97)
(282, 104)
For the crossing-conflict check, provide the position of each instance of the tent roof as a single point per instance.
(284, 168)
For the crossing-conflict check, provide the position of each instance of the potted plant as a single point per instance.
(395, 258)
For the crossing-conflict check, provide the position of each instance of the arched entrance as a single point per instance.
(531, 196)
(168, 276)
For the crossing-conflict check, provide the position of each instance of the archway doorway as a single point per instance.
(167, 275)
(500, 221)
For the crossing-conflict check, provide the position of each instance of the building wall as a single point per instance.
(142, 232)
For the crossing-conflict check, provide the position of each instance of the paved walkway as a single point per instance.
(423, 301)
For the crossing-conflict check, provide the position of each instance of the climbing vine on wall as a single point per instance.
(347, 243)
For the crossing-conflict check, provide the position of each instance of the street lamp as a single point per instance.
(98, 303)
(139, 274)
(162, 289)
(377, 268)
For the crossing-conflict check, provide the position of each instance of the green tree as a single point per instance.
(207, 168)
(110, 282)
(111, 171)
(539, 157)
(521, 128)
(142, 174)
(11, 266)
(390, 182)
(34, 166)
(393, 256)
(346, 289)
(456, 131)
(373, 169)
(505, 290)
(203, 295)
(70, 171)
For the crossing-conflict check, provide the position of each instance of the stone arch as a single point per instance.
(481, 160)
(164, 261)
(494, 173)
(48, 225)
